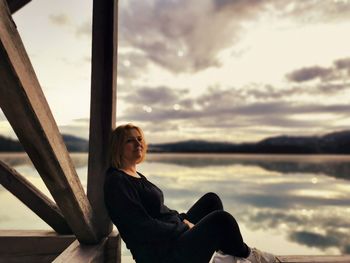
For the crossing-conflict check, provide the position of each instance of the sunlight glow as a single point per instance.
(127, 63)
(180, 53)
(147, 109)
(177, 107)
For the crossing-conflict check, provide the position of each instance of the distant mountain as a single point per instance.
(332, 143)
(74, 144)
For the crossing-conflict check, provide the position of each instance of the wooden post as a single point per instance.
(15, 5)
(26, 108)
(113, 248)
(33, 198)
(103, 103)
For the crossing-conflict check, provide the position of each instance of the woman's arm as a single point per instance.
(131, 218)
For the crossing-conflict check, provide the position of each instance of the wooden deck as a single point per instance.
(314, 259)
(41, 246)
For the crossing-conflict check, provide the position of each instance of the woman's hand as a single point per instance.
(190, 225)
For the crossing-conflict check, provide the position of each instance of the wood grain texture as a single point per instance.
(33, 198)
(25, 107)
(77, 252)
(103, 103)
(113, 248)
(18, 246)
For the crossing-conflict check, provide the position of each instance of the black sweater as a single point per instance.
(136, 207)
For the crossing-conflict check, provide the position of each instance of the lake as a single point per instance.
(285, 204)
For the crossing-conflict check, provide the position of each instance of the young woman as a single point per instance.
(157, 234)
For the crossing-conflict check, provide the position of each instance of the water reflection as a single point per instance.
(22, 159)
(336, 166)
(284, 204)
(306, 200)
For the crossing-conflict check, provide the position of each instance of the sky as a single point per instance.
(219, 70)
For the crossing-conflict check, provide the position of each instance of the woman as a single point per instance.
(153, 232)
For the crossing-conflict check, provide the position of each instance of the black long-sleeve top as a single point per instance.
(136, 207)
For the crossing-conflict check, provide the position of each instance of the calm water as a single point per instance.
(284, 204)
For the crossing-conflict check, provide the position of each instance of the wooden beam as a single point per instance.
(108, 251)
(15, 5)
(77, 252)
(314, 259)
(103, 103)
(32, 246)
(33, 198)
(26, 108)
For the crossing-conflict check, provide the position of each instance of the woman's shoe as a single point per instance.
(257, 256)
(221, 257)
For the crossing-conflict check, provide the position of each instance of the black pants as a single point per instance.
(214, 230)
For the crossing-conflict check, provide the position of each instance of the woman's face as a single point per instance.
(133, 149)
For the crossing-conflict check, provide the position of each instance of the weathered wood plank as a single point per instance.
(314, 259)
(33, 198)
(15, 5)
(108, 251)
(18, 246)
(77, 252)
(113, 248)
(103, 102)
(26, 108)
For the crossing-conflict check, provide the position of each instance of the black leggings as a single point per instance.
(214, 230)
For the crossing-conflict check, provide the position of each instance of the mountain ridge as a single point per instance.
(331, 143)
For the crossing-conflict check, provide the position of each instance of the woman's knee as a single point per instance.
(225, 219)
(214, 200)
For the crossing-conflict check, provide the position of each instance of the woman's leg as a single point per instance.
(216, 231)
(205, 205)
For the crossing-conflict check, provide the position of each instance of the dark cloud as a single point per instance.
(327, 80)
(342, 63)
(330, 88)
(181, 36)
(314, 239)
(273, 114)
(239, 7)
(184, 36)
(310, 73)
(280, 201)
(233, 108)
(156, 96)
(298, 227)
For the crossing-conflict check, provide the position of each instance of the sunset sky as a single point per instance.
(223, 70)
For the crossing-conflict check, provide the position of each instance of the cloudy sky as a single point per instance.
(224, 70)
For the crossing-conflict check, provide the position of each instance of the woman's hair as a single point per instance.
(118, 140)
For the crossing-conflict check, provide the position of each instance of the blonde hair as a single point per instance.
(118, 139)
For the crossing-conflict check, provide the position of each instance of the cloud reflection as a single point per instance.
(276, 197)
(279, 201)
